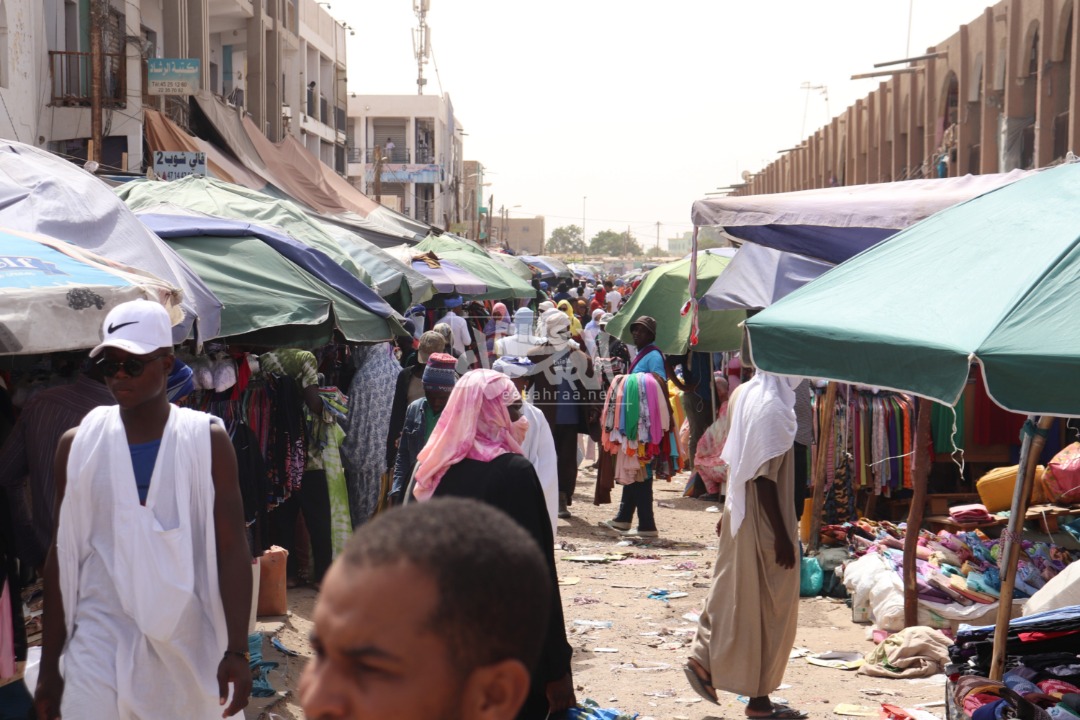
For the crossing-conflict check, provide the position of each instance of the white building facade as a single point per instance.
(420, 141)
(282, 61)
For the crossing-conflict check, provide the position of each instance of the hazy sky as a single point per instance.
(643, 107)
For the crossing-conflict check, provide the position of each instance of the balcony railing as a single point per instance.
(355, 155)
(397, 155)
(71, 72)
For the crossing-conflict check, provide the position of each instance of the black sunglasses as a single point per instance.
(133, 367)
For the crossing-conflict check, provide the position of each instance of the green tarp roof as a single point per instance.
(389, 277)
(662, 295)
(269, 301)
(502, 282)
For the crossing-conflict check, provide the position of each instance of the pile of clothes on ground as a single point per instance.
(957, 574)
(1042, 670)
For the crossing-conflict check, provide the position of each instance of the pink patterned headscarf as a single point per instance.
(475, 424)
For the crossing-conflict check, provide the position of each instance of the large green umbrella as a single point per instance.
(995, 280)
(662, 295)
(501, 281)
(269, 301)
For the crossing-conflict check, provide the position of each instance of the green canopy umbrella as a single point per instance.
(993, 281)
(662, 295)
(269, 301)
(518, 266)
(385, 274)
(501, 281)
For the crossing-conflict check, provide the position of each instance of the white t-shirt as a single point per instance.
(460, 330)
(613, 298)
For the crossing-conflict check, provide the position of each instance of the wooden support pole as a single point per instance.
(828, 412)
(1025, 481)
(97, 80)
(920, 475)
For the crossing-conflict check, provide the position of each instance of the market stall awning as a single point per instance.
(170, 222)
(834, 224)
(389, 277)
(271, 298)
(501, 282)
(759, 276)
(162, 134)
(995, 280)
(42, 193)
(54, 296)
(549, 267)
(664, 292)
(516, 265)
(448, 277)
(588, 272)
(294, 171)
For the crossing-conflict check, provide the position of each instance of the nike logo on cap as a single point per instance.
(114, 328)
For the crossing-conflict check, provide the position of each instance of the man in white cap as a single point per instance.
(462, 338)
(539, 445)
(148, 581)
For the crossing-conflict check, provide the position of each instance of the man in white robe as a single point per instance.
(747, 630)
(148, 581)
(539, 445)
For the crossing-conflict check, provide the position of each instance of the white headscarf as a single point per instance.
(762, 427)
(523, 320)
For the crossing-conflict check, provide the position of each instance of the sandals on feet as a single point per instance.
(781, 712)
(699, 685)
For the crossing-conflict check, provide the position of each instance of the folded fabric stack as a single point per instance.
(962, 567)
(970, 514)
(1043, 678)
(637, 423)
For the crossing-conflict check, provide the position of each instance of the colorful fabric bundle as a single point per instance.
(975, 514)
(636, 423)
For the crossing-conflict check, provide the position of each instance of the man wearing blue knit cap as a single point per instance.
(420, 419)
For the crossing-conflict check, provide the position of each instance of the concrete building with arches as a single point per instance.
(1001, 93)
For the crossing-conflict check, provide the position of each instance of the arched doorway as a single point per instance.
(946, 131)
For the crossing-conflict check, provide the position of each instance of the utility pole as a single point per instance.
(502, 230)
(97, 79)
(626, 242)
(490, 220)
(378, 173)
(658, 238)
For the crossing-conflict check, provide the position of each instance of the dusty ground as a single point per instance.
(636, 664)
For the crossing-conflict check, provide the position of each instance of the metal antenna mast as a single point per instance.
(421, 42)
(824, 91)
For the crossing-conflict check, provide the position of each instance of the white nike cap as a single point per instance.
(139, 327)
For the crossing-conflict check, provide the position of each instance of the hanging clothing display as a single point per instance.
(341, 525)
(636, 424)
(363, 451)
(870, 448)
